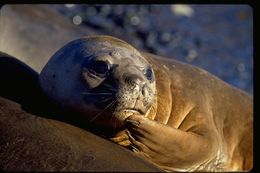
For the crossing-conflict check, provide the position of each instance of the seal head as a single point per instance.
(101, 77)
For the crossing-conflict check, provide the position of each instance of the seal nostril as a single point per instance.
(145, 91)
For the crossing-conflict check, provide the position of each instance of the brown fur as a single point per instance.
(201, 122)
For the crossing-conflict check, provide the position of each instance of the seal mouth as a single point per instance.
(122, 114)
(132, 111)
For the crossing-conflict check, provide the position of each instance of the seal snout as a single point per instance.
(133, 79)
(135, 94)
(136, 82)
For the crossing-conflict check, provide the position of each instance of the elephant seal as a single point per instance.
(179, 117)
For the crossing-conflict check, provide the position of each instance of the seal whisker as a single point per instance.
(114, 129)
(110, 87)
(116, 82)
(108, 106)
(85, 93)
(107, 99)
(114, 101)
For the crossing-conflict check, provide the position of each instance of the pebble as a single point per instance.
(135, 20)
(182, 10)
(69, 5)
(241, 67)
(151, 39)
(192, 54)
(180, 31)
(77, 20)
(165, 38)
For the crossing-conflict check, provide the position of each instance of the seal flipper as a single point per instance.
(167, 146)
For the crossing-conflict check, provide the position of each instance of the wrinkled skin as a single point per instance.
(185, 119)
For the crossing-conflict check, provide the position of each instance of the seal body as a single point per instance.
(179, 117)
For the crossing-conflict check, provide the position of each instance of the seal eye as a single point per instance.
(149, 73)
(100, 67)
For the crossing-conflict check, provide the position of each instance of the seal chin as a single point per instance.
(123, 114)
